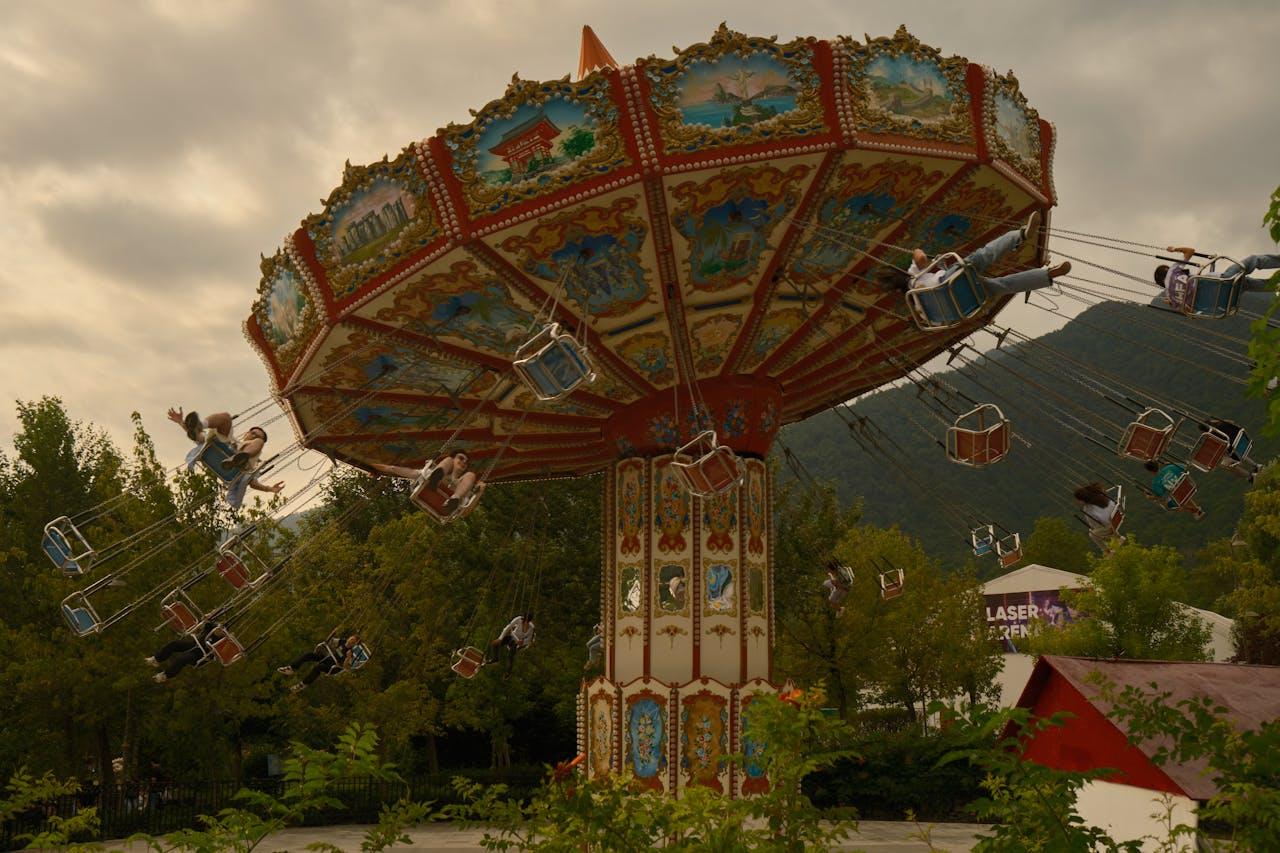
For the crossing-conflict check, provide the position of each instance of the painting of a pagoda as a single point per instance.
(535, 140)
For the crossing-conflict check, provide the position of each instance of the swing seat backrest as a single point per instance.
(979, 437)
(1148, 436)
(957, 297)
(360, 654)
(706, 468)
(1242, 445)
(233, 570)
(1216, 295)
(1183, 491)
(224, 646)
(80, 615)
(552, 364)
(66, 547)
(215, 456)
(180, 613)
(1116, 494)
(467, 661)
(432, 501)
(846, 575)
(1209, 449)
(891, 583)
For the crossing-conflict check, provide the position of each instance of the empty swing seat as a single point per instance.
(979, 437)
(180, 612)
(80, 615)
(983, 538)
(1209, 449)
(706, 468)
(224, 646)
(891, 583)
(1215, 295)
(1148, 437)
(236, 572)
(552, 364)
(958, 296)
(467, 661)
(67, 547)
(1241, 446)
(1009, 550)
(432, 500)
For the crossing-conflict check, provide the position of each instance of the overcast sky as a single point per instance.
(150, 151)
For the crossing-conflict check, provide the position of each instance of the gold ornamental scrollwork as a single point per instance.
(877, 95)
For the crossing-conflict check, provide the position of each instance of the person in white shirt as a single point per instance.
(1099, 510)
(516, 636)
(834, 587)
(982, 259)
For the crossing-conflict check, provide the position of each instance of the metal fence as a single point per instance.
(159, 807)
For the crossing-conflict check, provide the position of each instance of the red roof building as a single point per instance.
(1090, 740)
(527, 140)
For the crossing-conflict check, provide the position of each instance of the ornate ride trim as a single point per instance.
(1005, 86)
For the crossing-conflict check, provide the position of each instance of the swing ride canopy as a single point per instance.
(719, 229)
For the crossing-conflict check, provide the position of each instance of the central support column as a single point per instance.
(687, 607)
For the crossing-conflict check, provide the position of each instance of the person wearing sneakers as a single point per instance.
(1165, 479)
(248, 451)
(451, 472)
(1180, 289)
(183, 652)
(983, 259)
(339, 660)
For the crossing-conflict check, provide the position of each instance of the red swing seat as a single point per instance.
(1116, 494)
(180, 612)
(979, 437)
(467, 661)
(1209, 449)
(706, 468)
(1149, 436)
(224, 646)
(1182, 492)
(891, 584)
(432, 500)
(236, 572)
(1009, 550)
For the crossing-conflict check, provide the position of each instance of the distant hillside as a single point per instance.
(1029, 483)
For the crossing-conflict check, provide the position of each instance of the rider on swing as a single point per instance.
(980, 260)
(451, 471)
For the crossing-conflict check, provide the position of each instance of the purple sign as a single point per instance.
(1012, 612)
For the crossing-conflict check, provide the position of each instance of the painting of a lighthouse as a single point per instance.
(736, 91)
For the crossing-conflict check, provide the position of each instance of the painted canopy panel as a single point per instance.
(741, 211)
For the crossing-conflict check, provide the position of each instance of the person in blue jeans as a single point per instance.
(1180, 290)
(1165, 479)
(986, 257)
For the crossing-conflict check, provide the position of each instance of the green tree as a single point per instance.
(1055, 542)
(579, 141)
(1264, 347)
(1130, 609)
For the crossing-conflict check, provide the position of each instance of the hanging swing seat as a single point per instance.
(1209, 449)
(1215, 295)
(979, 437)
(80, 615)
(224, 646)
(432, 499)
(467, 661)
(1184, 489)
(1116, 495)
(1241, 446)
(360, 654)
(891, 583)
(983, 538)
(956, 297)
(845, 573)
(552, 364)
(67, 547)
(1149, 436)
(180, 612)
(234, 562)
(706, 468)
(215, 456)
(1009, 550)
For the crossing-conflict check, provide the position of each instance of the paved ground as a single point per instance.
(873, 836)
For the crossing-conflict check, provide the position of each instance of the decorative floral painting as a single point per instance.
(646, 739)
(704, 739)
(671, 511)
(601, 717)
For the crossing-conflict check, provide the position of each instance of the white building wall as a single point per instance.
(1127, 813)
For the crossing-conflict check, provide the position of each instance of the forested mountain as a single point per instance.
(1043, 388)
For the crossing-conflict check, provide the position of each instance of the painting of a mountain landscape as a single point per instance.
(736, 91)
(909, 87)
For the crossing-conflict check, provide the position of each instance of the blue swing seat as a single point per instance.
(552, 364)
(215, 456)
(66, 547)
(1215, 295)
(983, 538)
(1242, 445)
(954, 299)
(360, 655)
(80, 615)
